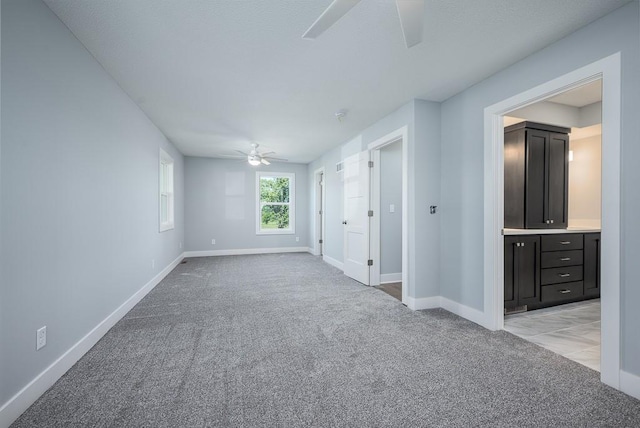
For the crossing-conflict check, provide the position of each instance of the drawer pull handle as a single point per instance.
(565, 259)
(565, 242)
(565, 291)
(564, 275)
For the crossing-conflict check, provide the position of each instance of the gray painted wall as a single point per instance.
(463, 160)
(391, 222)
(422, 119)
(79, 177)
(220, 204)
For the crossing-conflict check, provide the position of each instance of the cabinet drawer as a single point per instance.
(558, 292)
(569, 241)
(552, 259)
(561, 274)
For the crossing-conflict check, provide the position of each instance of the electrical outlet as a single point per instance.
(392, 208)
(213, 242)
(41, 337)
(153, 263)
(297, 239)
(180, 244)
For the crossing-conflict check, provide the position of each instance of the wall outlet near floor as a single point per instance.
(180, 244)
(297, 239)
(213, 242)
(153, 263)
(41, 337)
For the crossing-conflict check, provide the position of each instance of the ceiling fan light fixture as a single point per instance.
(253, 160)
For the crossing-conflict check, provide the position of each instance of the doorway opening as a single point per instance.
(608, 71)
(389, 196)
(319, 187)
(552, 200)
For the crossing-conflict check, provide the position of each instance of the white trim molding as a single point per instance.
(417, 304)
(388, 278)
(333, 262)
(245, 251)
(607, 69)
(630, 384)
(463, 311)
(20, 402)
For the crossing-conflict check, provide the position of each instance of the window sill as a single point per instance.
(276, 232)
(165, 227)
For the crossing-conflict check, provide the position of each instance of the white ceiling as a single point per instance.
(581, 96)
(214, 75)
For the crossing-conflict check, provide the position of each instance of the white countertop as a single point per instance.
(549, 231)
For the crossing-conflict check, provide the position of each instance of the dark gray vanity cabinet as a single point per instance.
(551, 269)
(536, 176)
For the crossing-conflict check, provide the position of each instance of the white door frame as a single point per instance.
(607, 69)
(318, 225)
(375, 146)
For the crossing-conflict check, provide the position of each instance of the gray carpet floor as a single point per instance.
(286, 340)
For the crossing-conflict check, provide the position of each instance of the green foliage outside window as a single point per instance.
(274, 198)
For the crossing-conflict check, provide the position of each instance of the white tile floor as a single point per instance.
(572, 330)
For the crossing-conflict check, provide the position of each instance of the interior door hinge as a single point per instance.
(320, 241)
(370, 262)
(370, 213)
(370, 164)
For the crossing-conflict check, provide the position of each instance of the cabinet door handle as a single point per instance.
(551, 221)
(564, 275)
(565, 259)
(565, 291)
(565, 242)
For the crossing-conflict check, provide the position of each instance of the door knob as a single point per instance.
(344, 222)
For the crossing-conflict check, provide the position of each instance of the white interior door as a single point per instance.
(356, 217)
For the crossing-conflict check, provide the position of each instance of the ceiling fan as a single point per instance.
(411, 19)
(255, 158)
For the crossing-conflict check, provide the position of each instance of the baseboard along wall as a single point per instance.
(630, 384)
(12, 409)
(389, 278)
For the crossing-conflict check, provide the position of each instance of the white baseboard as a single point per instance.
(333, 262)
(630, 384)
(245, 251)
(12, 409)
(417, 304)
(463, 311)
(387, 278)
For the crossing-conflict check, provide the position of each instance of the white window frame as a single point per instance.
(292, 203)
(165, 191)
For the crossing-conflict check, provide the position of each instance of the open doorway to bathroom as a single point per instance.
(552, 225)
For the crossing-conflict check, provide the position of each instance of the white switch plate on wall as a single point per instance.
(41, 337)
(392, 208)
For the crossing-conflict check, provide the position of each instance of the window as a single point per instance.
(276, 202)
(166, 191)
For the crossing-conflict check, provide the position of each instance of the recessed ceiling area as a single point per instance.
(579, 109)
(215, 76)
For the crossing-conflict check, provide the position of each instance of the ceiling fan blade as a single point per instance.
(412, 20)
(264, 161)
(268, 153)
(242, 153)
(230, 156)
(276, 159)
(330, 16)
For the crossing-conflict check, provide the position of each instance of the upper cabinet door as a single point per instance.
(536, 180)
(558, 181)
